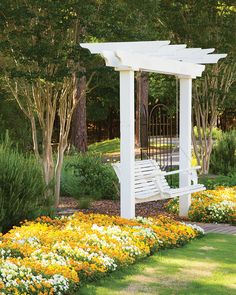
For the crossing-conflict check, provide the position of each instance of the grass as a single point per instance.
(106, 146)
(113, 146)
(206, 266)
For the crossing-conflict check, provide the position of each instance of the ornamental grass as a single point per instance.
(56, 256)
(217, 206)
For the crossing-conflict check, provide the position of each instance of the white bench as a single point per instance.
(150, 183)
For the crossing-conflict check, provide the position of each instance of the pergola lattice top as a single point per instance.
(155, 56)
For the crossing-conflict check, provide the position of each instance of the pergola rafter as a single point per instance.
(155, 56)
(158, 57)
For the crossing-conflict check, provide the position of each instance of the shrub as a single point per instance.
(223, 157)
(21, 187)
(86, 176)
(212, 182)
(216, 132)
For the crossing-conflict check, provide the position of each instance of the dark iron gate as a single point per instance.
(157, 130)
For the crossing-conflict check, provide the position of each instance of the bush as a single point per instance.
(212, 182)
(223, 157)
(21, 188)
(216, 132)
(86, 176)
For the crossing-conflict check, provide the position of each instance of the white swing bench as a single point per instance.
(150, 183)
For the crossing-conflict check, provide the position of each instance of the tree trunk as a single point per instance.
(142, 90)
(79, 121)
(60, 156)
(48, 164)
(110, 124)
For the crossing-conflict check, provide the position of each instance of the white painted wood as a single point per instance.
(148, 50)
(166, 50)
(142, 181)
(150, 183)
(127, 154)
(207, 59)
(182, 52)
(185, 126)
(152, 64)
(144, 46)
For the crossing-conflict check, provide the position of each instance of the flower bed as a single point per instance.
(218, 205)
(55, 256)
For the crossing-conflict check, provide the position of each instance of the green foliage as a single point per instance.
(12, 120)
(212, 182)
(162, 89)
(223, 157)
(216, 132)
(209, 181)
(117, 21)
(21, 188)
(85, 202)
(36, 39)
(86, 176)
(106, 146)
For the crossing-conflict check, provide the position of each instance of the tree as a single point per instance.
(142, 91)
(40, 59)
(121, 21)
(79, 121)
(207, 24)
(210, 94)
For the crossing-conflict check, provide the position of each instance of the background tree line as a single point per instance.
(50, 87)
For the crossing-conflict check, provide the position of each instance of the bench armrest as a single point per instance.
(182, 170)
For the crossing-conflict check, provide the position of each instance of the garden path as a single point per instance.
(217, 228)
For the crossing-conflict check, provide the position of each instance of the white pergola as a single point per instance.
(158, 57)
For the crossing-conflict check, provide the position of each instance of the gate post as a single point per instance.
(127, 153)
(185, 118)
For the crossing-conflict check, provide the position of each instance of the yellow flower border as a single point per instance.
(54, 256)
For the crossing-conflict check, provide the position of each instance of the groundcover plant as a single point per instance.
(56, 256)
(218, 205)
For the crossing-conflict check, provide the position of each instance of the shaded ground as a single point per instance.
(206, 266)
(70, 205)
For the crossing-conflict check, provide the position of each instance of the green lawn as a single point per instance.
(113, 146)
(206, 266)
(106, 146)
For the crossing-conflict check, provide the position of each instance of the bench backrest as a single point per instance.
(149, 179)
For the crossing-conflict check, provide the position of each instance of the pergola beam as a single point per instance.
(158, 64)
(154, 49)
(130, 46)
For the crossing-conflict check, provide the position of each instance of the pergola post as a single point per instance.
(127, 152)
(185, 141)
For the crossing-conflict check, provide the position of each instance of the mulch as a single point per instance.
(69, 205)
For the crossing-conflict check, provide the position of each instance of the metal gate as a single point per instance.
(157, 136)
(144, 132)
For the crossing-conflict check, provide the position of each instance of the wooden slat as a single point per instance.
(148, 176)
